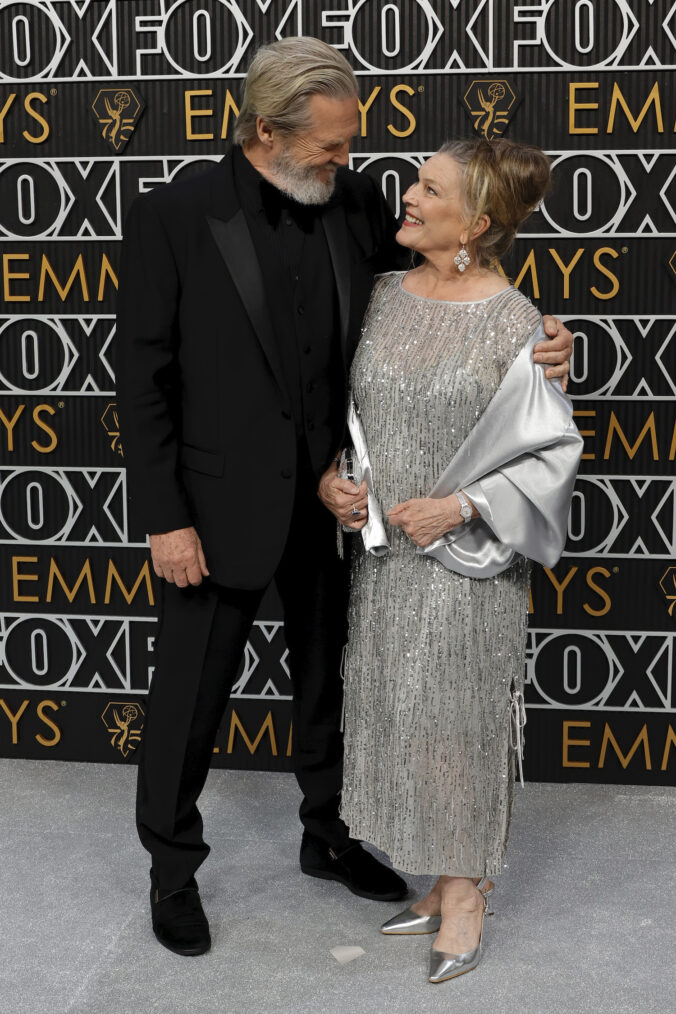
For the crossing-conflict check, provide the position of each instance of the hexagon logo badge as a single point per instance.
(117, 111)
(124, 723)
(111, 424)
(668, 586)
(490, 103)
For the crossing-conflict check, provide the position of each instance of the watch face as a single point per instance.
(466, 511)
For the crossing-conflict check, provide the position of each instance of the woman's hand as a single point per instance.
(424, 520)
(341, 497)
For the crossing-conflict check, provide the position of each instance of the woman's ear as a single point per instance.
(482, 224)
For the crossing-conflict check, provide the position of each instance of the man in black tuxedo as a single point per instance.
(241, 295)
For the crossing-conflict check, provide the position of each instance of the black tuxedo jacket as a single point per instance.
(205, 418)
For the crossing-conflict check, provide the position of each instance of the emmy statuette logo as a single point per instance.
(668, 586)
(117, 111)
(111, 424)
(124, 722)
(491, 105)
(672, 266)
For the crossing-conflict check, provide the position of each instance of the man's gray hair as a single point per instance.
(282, 79)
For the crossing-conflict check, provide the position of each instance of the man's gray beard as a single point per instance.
(301, 182)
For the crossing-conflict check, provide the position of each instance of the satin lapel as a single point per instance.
(235, 246)
(335, 227)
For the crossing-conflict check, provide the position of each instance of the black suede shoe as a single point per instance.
(353, 866)
(179, 922)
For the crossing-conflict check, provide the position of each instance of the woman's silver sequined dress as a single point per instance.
(432, 656)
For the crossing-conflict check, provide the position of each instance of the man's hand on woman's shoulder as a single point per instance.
(555, 353)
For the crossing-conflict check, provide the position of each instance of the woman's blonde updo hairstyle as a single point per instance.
(501, 179)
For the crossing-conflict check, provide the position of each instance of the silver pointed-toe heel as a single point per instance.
(447, 966)
(409, 921)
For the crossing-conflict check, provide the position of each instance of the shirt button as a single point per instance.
(286, 473)
(285, 414)
(307, 350)
(309, 387)
(310, 426)
(289, 221)
(301, 311)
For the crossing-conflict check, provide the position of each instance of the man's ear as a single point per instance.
(264, 132)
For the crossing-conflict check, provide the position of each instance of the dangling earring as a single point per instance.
(462, 259)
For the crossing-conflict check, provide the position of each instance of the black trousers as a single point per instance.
(201, 637)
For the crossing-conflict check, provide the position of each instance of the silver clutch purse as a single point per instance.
(348, 468)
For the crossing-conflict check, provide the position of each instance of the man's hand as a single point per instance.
(556, 351)
(178, 557)
(341, 496)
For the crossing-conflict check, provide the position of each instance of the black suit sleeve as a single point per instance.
(391, 256)
(147, 372)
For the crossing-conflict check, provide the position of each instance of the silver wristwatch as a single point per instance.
(465, 509)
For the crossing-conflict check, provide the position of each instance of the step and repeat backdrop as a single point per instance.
(101, 101)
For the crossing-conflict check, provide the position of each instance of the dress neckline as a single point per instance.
(451, 302)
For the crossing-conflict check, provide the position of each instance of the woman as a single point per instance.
(447, 396)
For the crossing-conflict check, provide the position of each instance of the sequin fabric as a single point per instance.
(432, 656)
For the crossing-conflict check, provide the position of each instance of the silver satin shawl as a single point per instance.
(518, 466)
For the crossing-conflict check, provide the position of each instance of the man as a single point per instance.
(241, 295)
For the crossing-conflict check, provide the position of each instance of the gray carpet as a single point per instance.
(584, 912)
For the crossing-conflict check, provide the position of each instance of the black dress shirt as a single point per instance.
(293, 253)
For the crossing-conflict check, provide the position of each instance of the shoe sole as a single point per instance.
(322, 875)
(186, 952)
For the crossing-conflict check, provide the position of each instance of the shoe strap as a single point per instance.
(339, 855)
(172, 894)
(484, 897)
